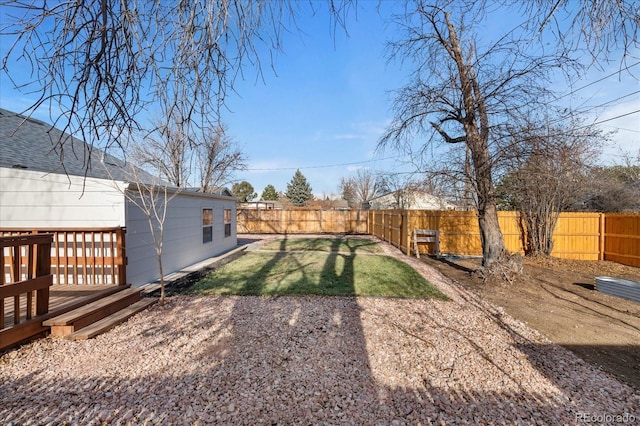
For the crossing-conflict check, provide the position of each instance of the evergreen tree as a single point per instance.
(244, 191)
(269, 193)
(299, 190)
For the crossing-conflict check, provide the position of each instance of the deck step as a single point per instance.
(83, 316)
(111, 321)
(147, 289)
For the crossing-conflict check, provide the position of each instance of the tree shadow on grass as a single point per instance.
(339, 274)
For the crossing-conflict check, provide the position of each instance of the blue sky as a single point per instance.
(328, 105)
(329, 101)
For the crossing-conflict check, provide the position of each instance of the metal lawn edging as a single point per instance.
(619, 287)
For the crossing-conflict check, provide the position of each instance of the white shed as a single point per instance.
(90, 190)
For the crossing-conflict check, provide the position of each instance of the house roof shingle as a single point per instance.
(27, 143)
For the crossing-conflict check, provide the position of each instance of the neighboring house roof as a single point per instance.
(27, 143)
(410, 199)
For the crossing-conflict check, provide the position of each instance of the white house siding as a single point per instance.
(182, 236)
(32, 199)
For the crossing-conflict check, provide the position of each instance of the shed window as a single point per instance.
(227, 222)
(207, 225)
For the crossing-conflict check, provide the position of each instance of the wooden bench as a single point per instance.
(426, 236)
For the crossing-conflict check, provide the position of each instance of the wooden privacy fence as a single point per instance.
(260, 221)
(577, 235)
(84, 256)
(583, 235)
(24, 282)
(622, 238)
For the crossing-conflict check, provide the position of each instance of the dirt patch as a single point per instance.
(558, 298)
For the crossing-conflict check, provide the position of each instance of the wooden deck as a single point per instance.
(62, 299)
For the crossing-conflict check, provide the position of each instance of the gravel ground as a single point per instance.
(312, 360)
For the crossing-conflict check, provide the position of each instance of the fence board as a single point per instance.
(584, 235)
(308, 221)
(577, 236)
(511, 227)
(622, 238)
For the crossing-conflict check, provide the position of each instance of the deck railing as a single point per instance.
(25, 279)
(84, 256)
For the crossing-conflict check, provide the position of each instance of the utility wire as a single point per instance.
(597, 81)
(616, 117)
(324, 166)
(398, 156)
(590, 108)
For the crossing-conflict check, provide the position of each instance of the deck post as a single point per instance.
(122, 254)
(43, 267)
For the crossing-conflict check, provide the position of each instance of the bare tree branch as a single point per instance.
(458, 90)
(548, 175)
(100, 65)
(446, 137)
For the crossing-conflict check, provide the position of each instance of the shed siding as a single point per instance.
(182, 237)
(31, 199)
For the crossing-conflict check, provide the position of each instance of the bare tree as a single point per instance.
(400, 185)
(464, 96)
(167, 151)
(448, 176)
(548, 175)
(596, 28)
(615, 188)
(153, 201)
(151, 196)
(217, 157)
(359, 188)
(206, 158)
(347, 190)
(100, 65)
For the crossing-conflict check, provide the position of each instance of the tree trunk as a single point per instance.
(490, 234)
(162, 292)
(476, 127)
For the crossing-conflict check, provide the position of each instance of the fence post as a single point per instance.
(43, 267)
(389, 224)
(371, 222)
(602, 237)
(384, 225)
(366, 213)
(400, 230)
(407, 231)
